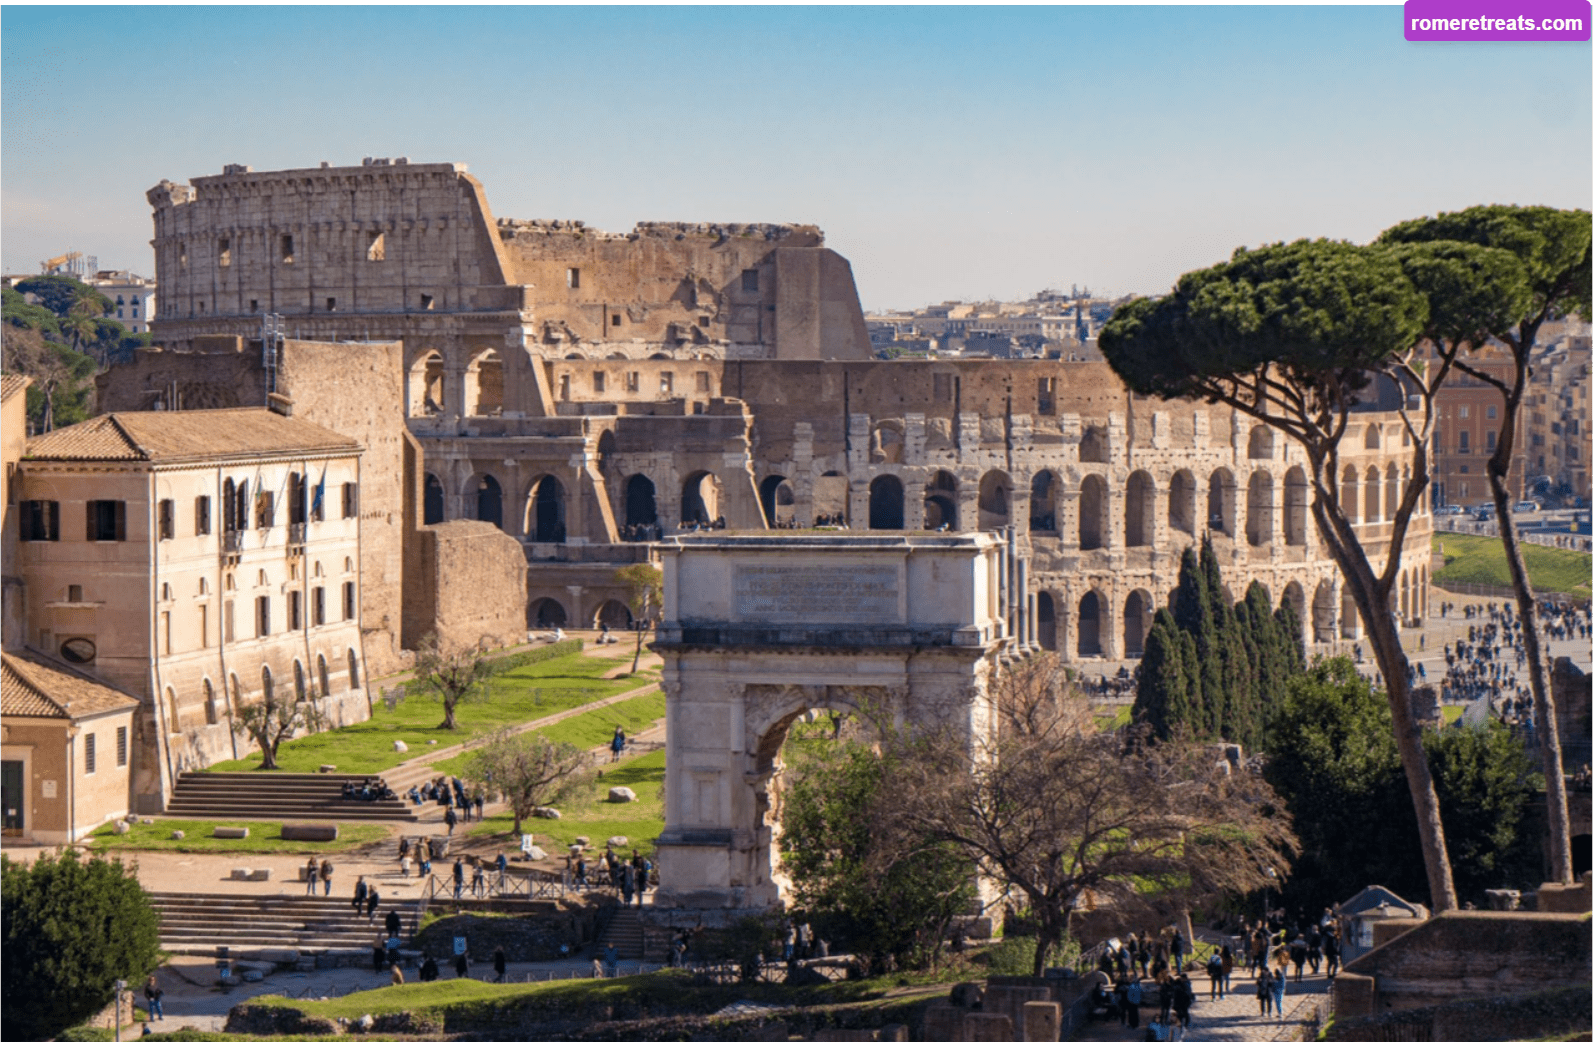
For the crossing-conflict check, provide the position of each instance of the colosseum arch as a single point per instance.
(1181, 502)
(545, 613)
(885, 508)
(641, 500)
(1322, 614)
(1374, 436)
(613, 614)
(428, 385)
(1092, 611)
(1139, 510)
(830, 495)
(484, 384)
(886, 442)
(605, 454)
(940, 502)
(1260, 442)
(435, 501)
(1350, 494)
(1042, 502)
(489, 499)
(1094, 446)
(1391, 486)
(778, 499)
(1222, 503)
(1138, 610)
(545, 507)
(1296, 507)
(995, 500)
(1374, 500)
(699, 498)
(1045, 620)
(1258, 508)
(1093, 522)
(1349, 615)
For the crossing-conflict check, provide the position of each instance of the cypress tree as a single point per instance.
(1163, 693)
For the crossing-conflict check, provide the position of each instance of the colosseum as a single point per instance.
(588, 392)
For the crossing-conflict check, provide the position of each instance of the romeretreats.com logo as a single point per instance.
(1544, 21)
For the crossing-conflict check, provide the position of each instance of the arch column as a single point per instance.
(857, 506)
(1160, 514)
(913, 506)
(1067, 506)
(968, 507)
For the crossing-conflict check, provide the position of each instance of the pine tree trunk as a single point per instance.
(1544, 715)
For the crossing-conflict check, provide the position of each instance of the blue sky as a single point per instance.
(962, 153)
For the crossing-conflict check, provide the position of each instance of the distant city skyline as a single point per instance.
(948, 153)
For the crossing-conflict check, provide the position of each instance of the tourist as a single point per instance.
(424, 848)
(503, 870)
(312, 875)
(359, 895)
(153, 995)
(1330, 951)
(459, 878)
(326, 877)
(611, 960)
(1156, 1030)
(1132, 995)
(1214, 971)
(1280, 981)
(617, 744)
(580, 872)
(1177, 949)
(1297, 952)
(450, 818)
(1264, 993)
(428, 969)
(500, 963)
(1183, 999)
(481, 804)
(478, 880)
(394, 923)
(372, 899)
(462, 965)
(378, 955)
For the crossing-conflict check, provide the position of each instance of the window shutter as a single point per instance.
(54, 534)
(121, 521)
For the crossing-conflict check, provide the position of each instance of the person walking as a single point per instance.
(153, 995)
(326, 877)
(378, 955)
(372, 899)
(478, 880)
(312, 875)
(503, 870)
(359, 895)
(1183, 998)
(611, 960)
(462, 965)
(424, 850)
(500, 964)
(428, 969)
(394, 923)
(1178, 950)
(1264, 993)
(1131, 1000)
(450, 818)
(459, 878)
(1280, 983)
(1330, 951)
(617, 744)
(1214, 971)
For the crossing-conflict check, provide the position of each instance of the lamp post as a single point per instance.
(121, 986)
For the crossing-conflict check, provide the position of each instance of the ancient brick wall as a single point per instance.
(473, 582)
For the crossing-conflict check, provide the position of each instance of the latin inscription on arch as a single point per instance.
(805, 593)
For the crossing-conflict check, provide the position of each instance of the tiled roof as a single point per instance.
(171, 437)
(12, 383)
(32, 685)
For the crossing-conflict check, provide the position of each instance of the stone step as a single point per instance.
(199, 923)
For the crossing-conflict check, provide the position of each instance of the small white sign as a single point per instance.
(527, 841)
(459, 946)
(47, 789)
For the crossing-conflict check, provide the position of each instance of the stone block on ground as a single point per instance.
(619, 841)
(967, 995)
(259, 966)
(229, 832)
(843, 1035)
(944, 1023)
(252, 976)
(622, 794)
(400, 746)
(536, 853)
(327, 768)
(987, 1027)
(309, 833)
(894, 1033)
(551, 813)
(1042, 1022)
(276, 956)
(259, 875)
(121, 828)
(178, 834)
(584, 841)
(242, 873)
(1503, 900)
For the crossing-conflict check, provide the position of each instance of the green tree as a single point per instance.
(60, 293)
(1161, 698)
(530, 771)
(73, 927)
(644, 595)
(271, 721)
(1555, 249)
(451, 675)
(887, 899)
(1295, 336)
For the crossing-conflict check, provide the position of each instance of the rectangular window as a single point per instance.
(202, 515)
(564, 387)
(287, 249)
(204, 625)
(121, 747)
(107, 521)
(88, 754)
(223, 255)
(425, 302)
(317, 501)
(295, 611)
(633, 382)
(666, 383)
(262, 621)
(41, 521)
(614, 320)
(265, 509)
(254, 307)
(1465, 442)
(348, 601)
(376, 247)
(1493, 412)
(351, 499)
(166, 513)
(572, 278)
(74, 594)
(1493, 440)
(165, 633)
(227, 634)
(598, 380)
(318, 606)
(704, 384)
(331, 303)
(749, 280)
(1465, 411)
(1047, 396)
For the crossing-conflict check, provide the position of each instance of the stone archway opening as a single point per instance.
(428, 385)
(995, 501)
(1222, 503)
(1181, 503)
(940, 503)
(1296, 507)
(1092, 513)
(1137, 612)
(484, 385)
(779, 501)
(1322, 616)
(885, 503)
(1258, 509)
(489, 500)
(1139, 511)
(1090, 613)
(641, 501)
(1045, 621)
(435, 511)
(830, 506)
(613, 614)
(699, 499)
(1042, 502)
(545, 613)
(545, 511)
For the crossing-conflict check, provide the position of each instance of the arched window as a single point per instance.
(1139, 510)
(321, 674)
(545, 510)
(1042, 502)
(1181, 502)
(434, 500)
(995, 499)
(212, 715)
(267, 688)
(489, 500)
(1090, 624)
(885, 503)
(1093, 523)
(940, 503)
(353, 671)
(1258, 509)
(299, 691)
(641, 501)
(1296, 506)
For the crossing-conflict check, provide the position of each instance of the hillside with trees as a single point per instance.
(55, 330)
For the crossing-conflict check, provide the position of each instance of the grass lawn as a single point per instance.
(1452, 713)
(593, 727)
(265, 837)
(640, 822)
(1114, 719)
(1481, 559)
(527, 693)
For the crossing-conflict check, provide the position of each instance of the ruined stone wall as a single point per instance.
(474, 581)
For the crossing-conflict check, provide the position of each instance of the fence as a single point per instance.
(1560, 540)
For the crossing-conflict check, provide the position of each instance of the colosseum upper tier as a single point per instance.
(588, 391)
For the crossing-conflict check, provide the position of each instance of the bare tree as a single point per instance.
(1060, 813)
(269, 722)
(452, 674)
(530, 771)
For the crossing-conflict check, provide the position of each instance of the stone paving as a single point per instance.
(1234, 1018)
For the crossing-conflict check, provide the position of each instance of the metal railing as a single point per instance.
(297, 533)
(232, 541)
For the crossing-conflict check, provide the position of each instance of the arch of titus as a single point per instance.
(758, 630)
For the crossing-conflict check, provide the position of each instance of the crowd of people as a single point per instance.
(1491, 662)
(630, 878)
(457, 802)
(368, 791)
(649, 533)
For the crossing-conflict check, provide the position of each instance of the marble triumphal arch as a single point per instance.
(757, 630)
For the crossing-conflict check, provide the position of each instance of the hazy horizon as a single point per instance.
(948, 153)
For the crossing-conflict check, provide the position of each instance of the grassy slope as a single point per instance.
(265, 837)
(592, 728)
(1481, 559)
(527, 693)
(640, 822)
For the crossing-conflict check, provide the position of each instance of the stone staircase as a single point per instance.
(625, 932)
(196, 924)
(279, 796)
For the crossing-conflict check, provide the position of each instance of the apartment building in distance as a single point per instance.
(1467, 431)
(1557, 414)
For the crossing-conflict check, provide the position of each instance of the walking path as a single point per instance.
(1233, 1018)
